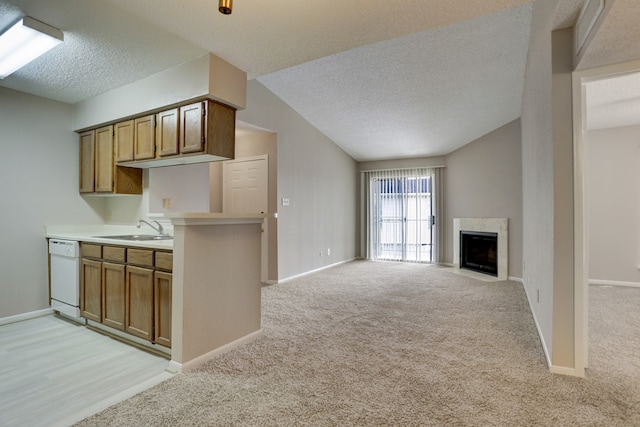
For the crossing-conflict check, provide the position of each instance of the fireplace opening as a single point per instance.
(479, 252)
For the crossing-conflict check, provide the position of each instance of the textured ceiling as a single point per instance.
(425, 94)
(104, 48)
(617, 39)
(613, 102)
(382, 79)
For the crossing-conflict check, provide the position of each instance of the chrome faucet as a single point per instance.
(159, 229)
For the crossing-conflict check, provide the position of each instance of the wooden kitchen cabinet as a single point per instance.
(192, 127)
(207, 127)
(139, 313)
(129, 289)
(87, 161)
(167, 133)
(123, 140)
(91, 289)
(135, 139)
(162, 282)
(202, 131)
(145, 137)
(98, 171)
(104, 159)
(113, 295)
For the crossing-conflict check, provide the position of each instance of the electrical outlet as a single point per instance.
(166, 203)
(328, 251)
(285, 201)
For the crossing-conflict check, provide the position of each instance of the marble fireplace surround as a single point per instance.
(489, 225)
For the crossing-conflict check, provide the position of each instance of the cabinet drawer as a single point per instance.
(90, 250)
(114, 253)
(164, 261)
(142, 257)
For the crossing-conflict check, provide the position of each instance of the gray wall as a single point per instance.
(483, 179)
(613, 187)
(39, 170)
(318, 178)
(547, 185)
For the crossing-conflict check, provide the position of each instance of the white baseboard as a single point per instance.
(176, 367)
(516, 279)
(563, 370)
(614, 283)
(535, 320)
(26, 316)
(297, 276)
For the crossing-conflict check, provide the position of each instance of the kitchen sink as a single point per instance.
(138, 237)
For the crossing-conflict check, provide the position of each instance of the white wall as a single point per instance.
(483, 179)
(547, 227)
(187, 187)
(537, 171)
(39, 175)
(613, 188)
(318, 178)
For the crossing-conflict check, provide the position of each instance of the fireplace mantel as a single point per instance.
(491, 225)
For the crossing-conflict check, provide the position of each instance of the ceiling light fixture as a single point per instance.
(26, 40)
(224, 6)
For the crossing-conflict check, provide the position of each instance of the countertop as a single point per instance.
(89, 233)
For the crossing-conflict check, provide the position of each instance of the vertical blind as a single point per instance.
(400, 210)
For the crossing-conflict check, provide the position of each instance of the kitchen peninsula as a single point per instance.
(216, 280)
(216, 284)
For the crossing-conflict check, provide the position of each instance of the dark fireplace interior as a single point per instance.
(479, 252)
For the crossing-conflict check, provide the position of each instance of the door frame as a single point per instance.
(581, 247)
(264, 242)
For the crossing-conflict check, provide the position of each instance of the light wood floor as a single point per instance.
(54, 372)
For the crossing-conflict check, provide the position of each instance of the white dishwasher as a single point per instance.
(65, 277)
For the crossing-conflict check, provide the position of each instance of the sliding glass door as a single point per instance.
(401, 215)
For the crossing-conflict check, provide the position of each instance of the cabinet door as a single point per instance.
(104, 159)
(124, 141)
(139, 316)
(162, 308)
(167, 133)
(87, 161)
(113, 298)
(91, 289)
(145, 137)
(192, 121)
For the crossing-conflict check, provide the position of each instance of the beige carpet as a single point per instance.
(374, 343)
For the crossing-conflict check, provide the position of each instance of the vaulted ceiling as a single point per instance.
(381, 79)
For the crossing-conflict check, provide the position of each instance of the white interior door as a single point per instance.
(245, 189)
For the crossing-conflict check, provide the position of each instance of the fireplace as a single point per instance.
(479, 251)
(479, 226)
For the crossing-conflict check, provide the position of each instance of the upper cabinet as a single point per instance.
(124, 141)
(145, 137)
(111, 156)
(167, 133)
(202, 131)
(98, 171)
(87, 161)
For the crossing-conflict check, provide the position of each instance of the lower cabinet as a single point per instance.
(91, 289)
(162, 307)
(128, 289)
(113, 295)
(140, 302)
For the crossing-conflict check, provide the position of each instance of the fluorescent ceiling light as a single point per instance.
(26, 40)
